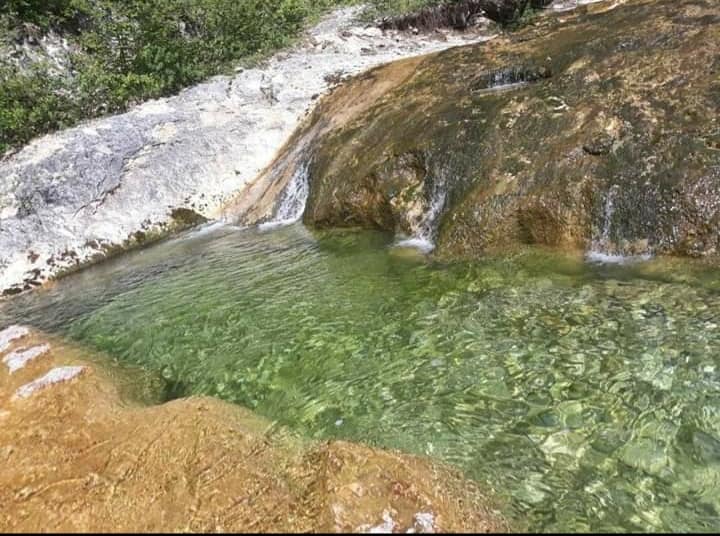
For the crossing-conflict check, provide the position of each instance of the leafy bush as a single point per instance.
(382, 8)
(134, 50)
(31, 105)
(46, 13)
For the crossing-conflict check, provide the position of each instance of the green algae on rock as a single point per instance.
(590, 130)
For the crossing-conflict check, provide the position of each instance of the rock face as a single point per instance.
(73, 197)
(27, 46)
(79, 457)
(597, 129)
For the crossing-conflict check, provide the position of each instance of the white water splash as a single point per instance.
(598, 257)
(18, 360)
(293, 200)
(13, 333)
(601, 250)
(423, 238)
(56, 375)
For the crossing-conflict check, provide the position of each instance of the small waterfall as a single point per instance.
(292, 202)
(608, 213)
(424, 231)
(602, 249)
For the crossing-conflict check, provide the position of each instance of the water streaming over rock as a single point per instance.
(604, 248)
(292, 202)
(599, 249)
(425, 230)
(512, 77)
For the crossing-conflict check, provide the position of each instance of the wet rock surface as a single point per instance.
(591, 129)
(78, 455)
(77, 196)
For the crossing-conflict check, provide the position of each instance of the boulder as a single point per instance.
(598, 129)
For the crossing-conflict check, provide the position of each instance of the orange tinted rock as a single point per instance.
(78, 455)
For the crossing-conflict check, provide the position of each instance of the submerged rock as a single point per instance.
(78, 456)
(11, 334)
(595, 129)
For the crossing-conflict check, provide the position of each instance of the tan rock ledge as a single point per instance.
(80, 456)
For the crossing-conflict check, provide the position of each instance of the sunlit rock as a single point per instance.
(593, 130)
(11, 334)
(18, 359)
(201, 465)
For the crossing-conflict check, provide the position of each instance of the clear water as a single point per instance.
(588, 396)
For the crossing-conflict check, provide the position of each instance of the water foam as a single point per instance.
(599, 257)
(601, 250)
(293, 201)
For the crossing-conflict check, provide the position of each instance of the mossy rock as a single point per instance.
(596, 128)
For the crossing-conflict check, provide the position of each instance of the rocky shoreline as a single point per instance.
(74, 197)
(79, 196)
(80, 455)
(595, 131)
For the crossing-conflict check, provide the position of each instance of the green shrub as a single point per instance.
(134, 50)
(65, 14)
(32, 104)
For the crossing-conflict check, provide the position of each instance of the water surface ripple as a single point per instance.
(589, 396)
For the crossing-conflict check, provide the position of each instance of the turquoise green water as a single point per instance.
(587, 396)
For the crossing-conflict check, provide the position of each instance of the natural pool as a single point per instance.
(588, 396)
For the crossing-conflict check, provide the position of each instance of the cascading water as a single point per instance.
(424, 231)
(602, 249)
(608, 214)
(292, 203)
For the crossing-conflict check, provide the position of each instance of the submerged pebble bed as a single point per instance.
(586, 395)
